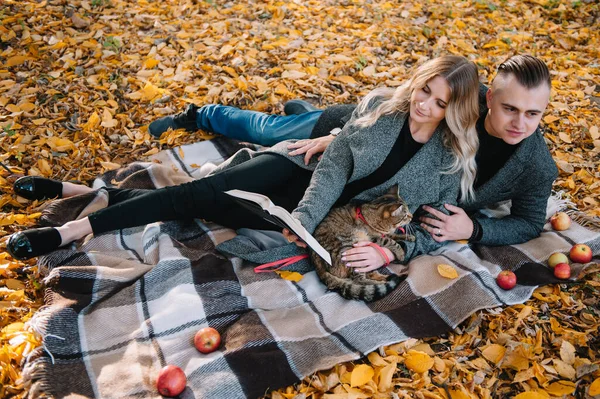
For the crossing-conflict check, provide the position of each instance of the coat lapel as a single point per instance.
(499, 187)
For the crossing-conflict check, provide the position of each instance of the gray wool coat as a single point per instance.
(356, 153)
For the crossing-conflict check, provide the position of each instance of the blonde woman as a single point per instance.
(420, 136)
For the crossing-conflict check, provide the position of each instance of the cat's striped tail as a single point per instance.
(365, 290)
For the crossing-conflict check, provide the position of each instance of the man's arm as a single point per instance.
(526, 220)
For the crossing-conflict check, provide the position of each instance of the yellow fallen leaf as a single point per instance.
(530, 395)
(494, 353)
(13, 108)
(595, 388)
(230, 71)
(548, 119)
(564, 369)
(151, 152)
(516, 359)
(561, 388)
(524, 375)
(386, 375)
(107, 119)
(291, 276)
(565, 137)
(60, 144)
(418, 361)
(447, 271)
(150, 63)
(13, 328)
(26, 106)
(281, 89)
(14, 284)
(376, 360)
(594, 132)
(181, 153)
(39, 121)
(92, 123)
(110, 165)
(361, 374)
(17, 60)
(567, 352)
(346, 79)
(44, 167)
(459, 394)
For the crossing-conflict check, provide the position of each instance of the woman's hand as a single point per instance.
(456, 226)
(365, 257)
(310, 147)
(293, 238)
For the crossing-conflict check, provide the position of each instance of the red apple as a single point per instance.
(560, 221)
(506, 280)
(562, 271)
(557, 258)
(580, 253)
(207, 340)
(171, 381)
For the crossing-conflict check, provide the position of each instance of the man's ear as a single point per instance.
(488, 98)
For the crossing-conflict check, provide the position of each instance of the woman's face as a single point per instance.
(428, 104)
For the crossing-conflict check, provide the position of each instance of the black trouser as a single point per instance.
(269, 174)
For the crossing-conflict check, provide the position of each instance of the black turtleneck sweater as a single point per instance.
(403, 150)
(491, 155)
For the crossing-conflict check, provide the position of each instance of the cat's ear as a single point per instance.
(398, 211)
(393, 190)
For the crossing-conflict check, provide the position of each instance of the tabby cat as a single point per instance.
(375, 221)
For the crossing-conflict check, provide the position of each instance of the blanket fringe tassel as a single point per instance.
(562, 202)
(36, 365)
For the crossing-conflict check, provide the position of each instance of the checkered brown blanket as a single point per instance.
(123, 304)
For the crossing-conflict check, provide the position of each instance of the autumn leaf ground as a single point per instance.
(80, 80)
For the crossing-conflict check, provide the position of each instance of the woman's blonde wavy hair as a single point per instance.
(462, 111)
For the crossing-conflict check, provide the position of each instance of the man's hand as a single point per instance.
(293, 238)
(310, 147)
(365, 257)
(456, 226)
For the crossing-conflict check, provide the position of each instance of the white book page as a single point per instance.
(294, 225)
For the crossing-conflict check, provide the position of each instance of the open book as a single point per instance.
(262, 206)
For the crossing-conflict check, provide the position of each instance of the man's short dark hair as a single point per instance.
(529, 70)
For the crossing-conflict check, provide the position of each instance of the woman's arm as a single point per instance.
(327, 183)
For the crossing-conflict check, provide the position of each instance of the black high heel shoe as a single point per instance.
(34, 242)
(37, 188)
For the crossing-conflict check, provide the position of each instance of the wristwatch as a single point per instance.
(335, 132)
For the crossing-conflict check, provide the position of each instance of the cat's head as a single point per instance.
(387, 212)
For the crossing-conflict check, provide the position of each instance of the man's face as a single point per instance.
(514, 111)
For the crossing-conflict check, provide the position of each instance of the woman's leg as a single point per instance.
(72, 189)
(255, 127)
(267, 174)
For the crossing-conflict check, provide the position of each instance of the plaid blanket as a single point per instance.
(123, 304)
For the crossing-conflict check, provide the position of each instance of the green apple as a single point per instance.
(557, 258)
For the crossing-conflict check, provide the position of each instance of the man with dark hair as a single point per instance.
(513, 161)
